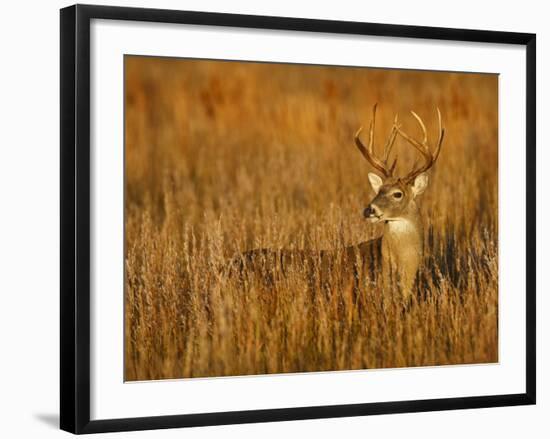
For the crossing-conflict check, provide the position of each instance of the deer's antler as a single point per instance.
(368, 152)
(423, 147)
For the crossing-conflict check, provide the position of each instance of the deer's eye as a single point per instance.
(397, 195)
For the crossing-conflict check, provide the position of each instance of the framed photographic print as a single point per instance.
(267, 218)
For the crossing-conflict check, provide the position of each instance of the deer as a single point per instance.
(394, 258)
(395, 203)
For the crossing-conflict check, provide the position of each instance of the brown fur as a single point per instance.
(402, 242)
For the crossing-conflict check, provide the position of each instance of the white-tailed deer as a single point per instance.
(395, 202)
(393, 259)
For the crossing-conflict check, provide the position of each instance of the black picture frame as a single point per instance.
(75, 217)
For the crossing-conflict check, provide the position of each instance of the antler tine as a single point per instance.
(422, 126)
(391, 140)
(368, 152)
(393, 165)
(441, 135)
(371, 130)
(422, 147)
(389, 144)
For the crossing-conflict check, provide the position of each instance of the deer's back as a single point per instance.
(364, 258)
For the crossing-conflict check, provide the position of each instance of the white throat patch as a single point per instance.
(400, 227)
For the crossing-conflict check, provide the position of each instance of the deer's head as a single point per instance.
(395, 196)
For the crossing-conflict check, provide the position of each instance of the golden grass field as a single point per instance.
(224, 157)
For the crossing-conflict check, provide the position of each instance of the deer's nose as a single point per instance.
(368, 212)
(371, 211)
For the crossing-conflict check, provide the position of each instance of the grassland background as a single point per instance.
(223, 157)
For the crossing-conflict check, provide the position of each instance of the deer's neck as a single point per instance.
(402, 247)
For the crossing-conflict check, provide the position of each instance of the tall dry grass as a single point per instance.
(223, 157)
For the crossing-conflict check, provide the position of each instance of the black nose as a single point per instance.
(368, 212)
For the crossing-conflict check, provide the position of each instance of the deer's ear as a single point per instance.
(375, 181)
(420, 184)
